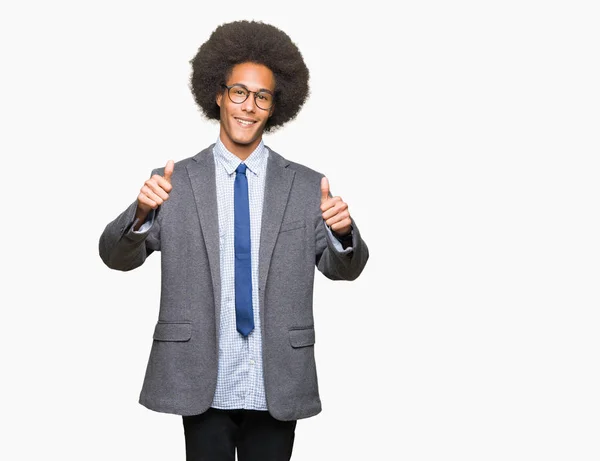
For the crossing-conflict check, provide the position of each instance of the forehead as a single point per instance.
(254, 76)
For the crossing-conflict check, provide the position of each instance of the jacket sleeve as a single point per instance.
(122, 248)
(334, 263)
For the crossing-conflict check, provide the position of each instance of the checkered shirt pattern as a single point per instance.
(240, 383)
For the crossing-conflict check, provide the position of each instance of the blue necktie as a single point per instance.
(244, 317)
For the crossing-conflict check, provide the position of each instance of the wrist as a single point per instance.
(345, 239)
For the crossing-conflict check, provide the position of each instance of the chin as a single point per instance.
(247, 139)
(243, 141)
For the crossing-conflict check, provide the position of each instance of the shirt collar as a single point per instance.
(256, 161)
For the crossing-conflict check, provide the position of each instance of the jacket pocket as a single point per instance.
(173, 331)
(302, 337)
(291, 225)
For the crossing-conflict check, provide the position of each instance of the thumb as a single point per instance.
(169, 170)
(324, 189)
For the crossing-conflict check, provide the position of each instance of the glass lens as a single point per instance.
(264, 100)
(238, 94)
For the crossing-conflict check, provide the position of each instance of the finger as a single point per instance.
(159, 186)
(146, 202)
(344, 215)
(324, 189)
(169, 170)
(337, 206)
(342, 227)
(160, 182)
(152, 196)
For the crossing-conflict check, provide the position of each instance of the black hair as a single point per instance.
(250, 41)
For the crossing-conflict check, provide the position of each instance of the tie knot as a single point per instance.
(241, 169)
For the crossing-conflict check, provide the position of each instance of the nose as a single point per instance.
(249, 104)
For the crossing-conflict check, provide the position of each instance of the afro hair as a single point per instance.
(250, 41)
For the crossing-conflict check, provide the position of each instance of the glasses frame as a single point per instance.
(229, 87)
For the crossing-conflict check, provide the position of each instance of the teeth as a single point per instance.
(244, 122)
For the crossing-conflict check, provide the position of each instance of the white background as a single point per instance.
(463, 135)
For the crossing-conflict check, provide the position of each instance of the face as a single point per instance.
(242, 125)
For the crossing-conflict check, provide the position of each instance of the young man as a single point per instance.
(240, 230)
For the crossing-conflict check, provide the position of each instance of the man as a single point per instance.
(240, 230)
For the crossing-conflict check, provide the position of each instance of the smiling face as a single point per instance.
(242, 125)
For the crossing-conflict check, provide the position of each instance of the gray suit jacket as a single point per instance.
(181, 375)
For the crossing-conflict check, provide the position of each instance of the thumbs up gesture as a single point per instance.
(154, 192)
(335, 211)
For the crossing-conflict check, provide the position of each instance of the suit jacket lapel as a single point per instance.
(278, 184)
(202, 177)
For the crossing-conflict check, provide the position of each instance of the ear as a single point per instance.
(271, 110)
(219, 99)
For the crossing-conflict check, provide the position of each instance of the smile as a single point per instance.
(245, 122)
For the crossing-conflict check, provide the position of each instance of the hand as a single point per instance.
(335, 211)
(154, 192)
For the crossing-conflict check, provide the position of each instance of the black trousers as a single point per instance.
(215, 434)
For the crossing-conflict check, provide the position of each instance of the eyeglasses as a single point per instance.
(238, 93)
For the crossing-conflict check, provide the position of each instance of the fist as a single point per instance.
(155, 190)
(335, 211)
